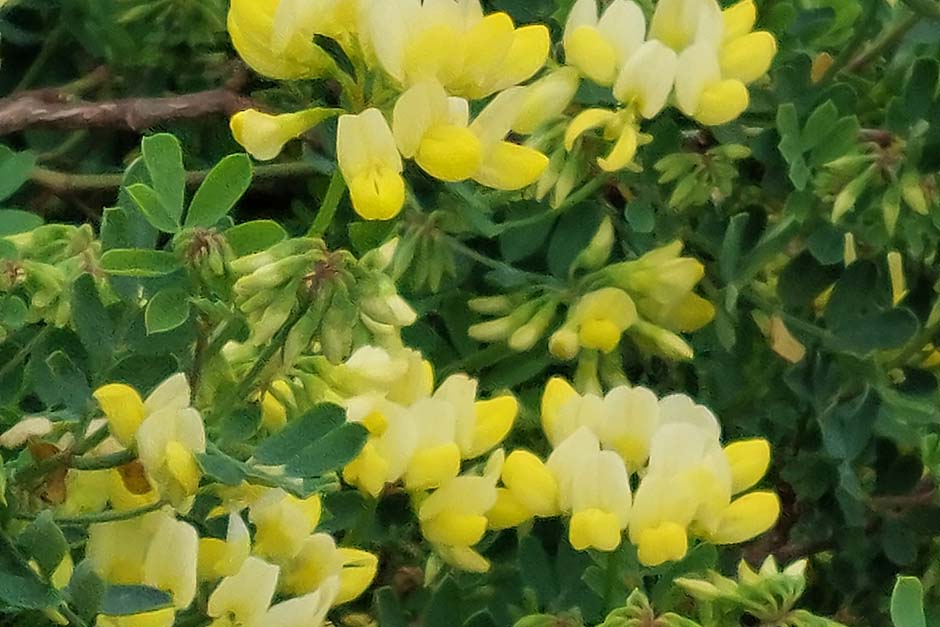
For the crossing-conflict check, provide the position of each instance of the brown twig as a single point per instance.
(44, 108)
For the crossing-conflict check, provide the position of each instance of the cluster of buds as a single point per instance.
(650, 299)
(326, 301)
(419, 67)
(206, 254)
(700, 178)
(768, 594)
(37, 268)
(878, 167)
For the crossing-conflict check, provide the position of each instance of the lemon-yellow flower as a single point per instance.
(319, 560)
(371, 165)
(263, 135)
(599, 47)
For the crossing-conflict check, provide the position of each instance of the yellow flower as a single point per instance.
(682, 23)
(453, 517)
(531, 483)
(594, 487)
(273, 411)
(452, 42)
(436, 132)
(746, 517)
(319, 559)
(244, 600)
(480, 425)
(745, 55)
(645, 81)
(290, 55)
(158, 618)
(619, 127)
(169, 439)
(600, 47)
(135, 552)
(223, 558)
(264, 135)
(546, 99)
(749, 460)
(598, 319)
(371, 165)
(701, 91)
(282, 523)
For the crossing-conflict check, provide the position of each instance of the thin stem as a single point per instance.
(334, 194)
(45, 53)
(887, 41)
(271, 348)
(24, 352)
(583, 193)
(69, 182)
(74, 619)
(495, 264)
(857, 41)
(103, 517)
(926, 8)
(103, 462)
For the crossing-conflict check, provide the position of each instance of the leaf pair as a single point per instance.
(163, 201)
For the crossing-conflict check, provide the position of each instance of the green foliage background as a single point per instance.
(854, 424)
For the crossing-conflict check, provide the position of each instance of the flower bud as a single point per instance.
(913, 192)
(492, 305)
(525, 337)
(667, 343)
(546, 99)
(846, 199)
(563, 344)
(598, 250)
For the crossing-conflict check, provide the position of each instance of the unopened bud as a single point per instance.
(546, 99)
(491, 305)
(525, 337)
(847, 198)
(665, 342)
(698, 588)
(598, 250)
(913, 192)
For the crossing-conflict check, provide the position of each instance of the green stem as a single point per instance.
(74, 619)
(103, 462)
(887, 41)
(866, 21)
(68, 182)
(495, 264)
(334, 194)
(244, 389)
(104, 517)
(583, 193)
(613, 576)
(45, 53)
(926, 8)
(24, 352)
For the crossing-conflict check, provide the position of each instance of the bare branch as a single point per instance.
(40, 109)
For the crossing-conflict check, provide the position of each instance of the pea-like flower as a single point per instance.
(371, 165)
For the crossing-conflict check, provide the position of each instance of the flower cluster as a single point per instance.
(650, 299)
(689, 485)
(280, 554)
(38, 267)
(420, 437)
(422, 64)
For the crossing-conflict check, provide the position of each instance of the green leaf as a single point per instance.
(732, 247)
(839, 142)
(128, 600)
(880, 331)
(574, 232)
(252, 237)
(444, 608)
(224, 185)
(13, 221)
(221, 468)
(330, 452)
(791, 147)
(388, 608)
(139, 263)
(15, 168)
(164, 158)
(20, 586)
(907, 603)
(819, 124)
(91, 319)
(364, 236)
(71, 385)
(151, 205)
(283, 446)
(13, 312)
(167, 310)
(920, 92)
(85, 591)
(536, 570)
(44, 542)
(521, 242)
